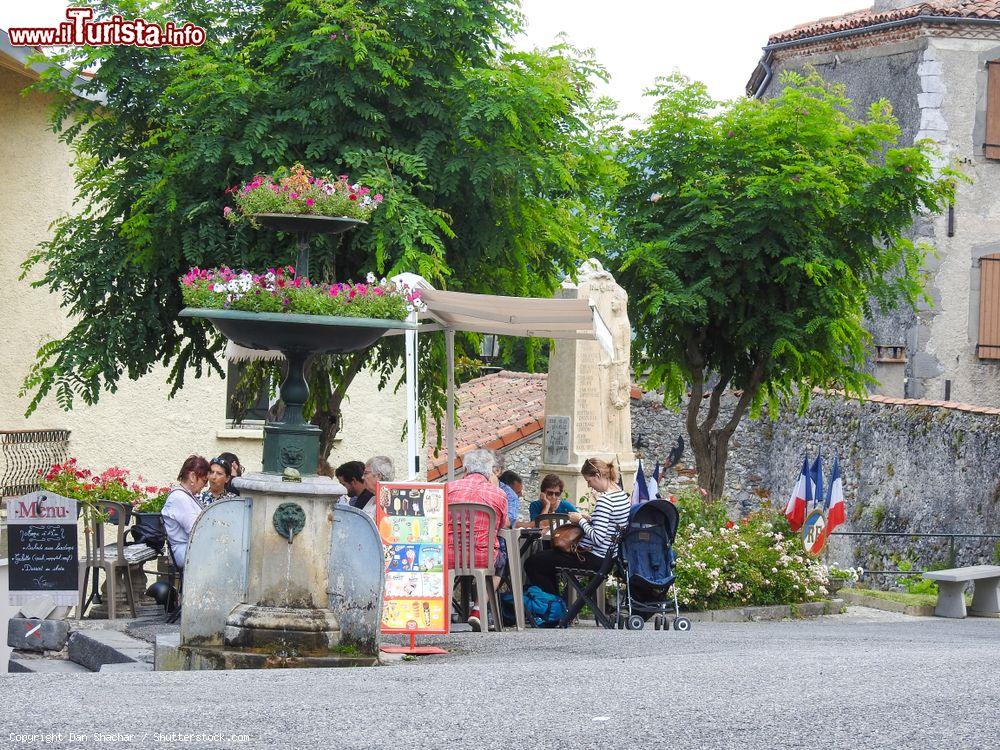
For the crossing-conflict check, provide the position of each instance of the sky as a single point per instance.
(718, 43)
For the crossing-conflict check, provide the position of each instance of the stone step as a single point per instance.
(37, 635)
(25, 663)
(94, 648)
(131, 666)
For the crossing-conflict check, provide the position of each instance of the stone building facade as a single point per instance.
(931, 61)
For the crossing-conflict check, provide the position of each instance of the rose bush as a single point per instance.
(757, 561)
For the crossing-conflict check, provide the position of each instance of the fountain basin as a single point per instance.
(322, 334)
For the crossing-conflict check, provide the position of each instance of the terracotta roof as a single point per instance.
(494, 411)
(859, 19)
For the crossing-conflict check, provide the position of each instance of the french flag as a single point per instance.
(654, 483)
(795, 508)
(834, 505)
(817, 478)
(640, 492)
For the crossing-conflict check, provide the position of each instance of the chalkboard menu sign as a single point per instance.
(411, 521)
(42, 548)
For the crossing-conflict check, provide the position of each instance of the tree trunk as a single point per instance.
(710, 444)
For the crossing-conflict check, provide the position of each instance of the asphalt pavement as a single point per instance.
(866, 679)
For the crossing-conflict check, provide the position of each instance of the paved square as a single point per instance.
(863, 680)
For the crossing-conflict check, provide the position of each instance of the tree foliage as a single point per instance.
(759, 233)
(490, 161)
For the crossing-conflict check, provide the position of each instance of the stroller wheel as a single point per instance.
(635, 622)
(682, 624)
(656, 622)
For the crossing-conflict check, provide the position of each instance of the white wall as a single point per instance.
(138, 427)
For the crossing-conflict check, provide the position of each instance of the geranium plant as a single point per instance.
(281, 290)
(298, 191)
(115, 485)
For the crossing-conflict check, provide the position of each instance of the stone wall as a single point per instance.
(908, 466)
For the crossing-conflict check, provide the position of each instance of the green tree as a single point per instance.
(490, 160)
(759, 233)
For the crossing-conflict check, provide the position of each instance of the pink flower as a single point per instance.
(377, 197)
(309, 201)
(293, 196)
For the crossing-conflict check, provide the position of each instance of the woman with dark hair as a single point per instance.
(610, 513)
(182, 509)
(219, 474)
(550, 499)
(235, 470)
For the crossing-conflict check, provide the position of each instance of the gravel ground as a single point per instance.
(866, 679)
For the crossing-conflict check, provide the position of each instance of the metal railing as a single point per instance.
(24, 453)
(952, 557)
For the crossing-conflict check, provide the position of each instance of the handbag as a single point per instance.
(566, 538)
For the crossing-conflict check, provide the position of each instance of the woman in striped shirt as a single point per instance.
(610, 512)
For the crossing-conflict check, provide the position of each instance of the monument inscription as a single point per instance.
(557, 439)
(588, 426)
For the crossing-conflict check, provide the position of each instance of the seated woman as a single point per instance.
(610, 512)
(182, 509)
(550, 498)
(219, 474)
(235, 470)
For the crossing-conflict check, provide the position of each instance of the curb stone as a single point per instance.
(769, 613)
(874, 602)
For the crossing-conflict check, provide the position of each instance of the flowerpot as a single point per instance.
(308, 223)
(835, 585)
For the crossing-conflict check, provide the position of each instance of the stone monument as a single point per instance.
(587, 404)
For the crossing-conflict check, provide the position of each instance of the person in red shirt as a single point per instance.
(479, 485)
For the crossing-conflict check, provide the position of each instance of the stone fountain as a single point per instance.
(284, 576)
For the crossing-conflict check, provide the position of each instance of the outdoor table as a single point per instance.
(519, 542)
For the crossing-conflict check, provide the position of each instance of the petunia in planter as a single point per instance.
(280, 290)
(296, 200)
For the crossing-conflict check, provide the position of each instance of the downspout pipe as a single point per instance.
(765, 60)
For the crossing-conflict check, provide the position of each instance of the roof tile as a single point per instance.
(860, 19)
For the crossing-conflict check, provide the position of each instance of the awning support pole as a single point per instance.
(413, 433)
(449, 338)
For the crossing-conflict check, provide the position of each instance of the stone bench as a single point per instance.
(951, 582)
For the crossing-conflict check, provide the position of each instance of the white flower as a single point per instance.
(370, 278)
(655, 197)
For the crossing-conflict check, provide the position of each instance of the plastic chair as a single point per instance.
(463, 519)
(549, 522)
(107, 557)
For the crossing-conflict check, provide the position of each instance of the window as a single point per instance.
(991, 148)
(989, 306)
(258, 410)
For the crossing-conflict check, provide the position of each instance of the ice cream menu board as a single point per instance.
(411, 521)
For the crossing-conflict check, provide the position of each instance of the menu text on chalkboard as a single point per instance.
(42, 548)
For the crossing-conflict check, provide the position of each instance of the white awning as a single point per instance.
(514, 316)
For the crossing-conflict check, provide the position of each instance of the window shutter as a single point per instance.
(989, 307)
(991, 149)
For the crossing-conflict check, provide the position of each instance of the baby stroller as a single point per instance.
(645, 568)
(642, 559)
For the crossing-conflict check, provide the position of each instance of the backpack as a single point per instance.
(149, 530)
(541, 609)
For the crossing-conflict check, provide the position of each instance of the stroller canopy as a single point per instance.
(647, 542)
